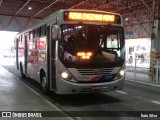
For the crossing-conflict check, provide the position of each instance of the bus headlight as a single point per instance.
(64, 75)
(121, 72)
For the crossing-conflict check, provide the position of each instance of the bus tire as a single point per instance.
(44, 84)
(23, 76)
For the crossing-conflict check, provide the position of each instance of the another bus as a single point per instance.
(75, 51)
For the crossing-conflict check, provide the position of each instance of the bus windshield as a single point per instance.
(91, 43)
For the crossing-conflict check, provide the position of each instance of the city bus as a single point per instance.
(75, 51)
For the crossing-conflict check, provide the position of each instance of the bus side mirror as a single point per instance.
(55, 32)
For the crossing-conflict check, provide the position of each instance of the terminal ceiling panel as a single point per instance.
(16, 15)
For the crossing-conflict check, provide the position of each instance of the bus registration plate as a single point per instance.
(96, 88)
(106, 77)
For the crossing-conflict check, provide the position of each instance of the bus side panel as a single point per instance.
(32, 56)
(37, 58)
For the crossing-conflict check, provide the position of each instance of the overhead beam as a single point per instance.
(14, 16)
(0, 19)
(1, 2)
(133, 24)
(78, 4)
(105, 5)
(135, 18)
(20, 16)
(41, 1)
(44, 9)
(22, 7)
(128, 7)
(147, 6)
(1, 23)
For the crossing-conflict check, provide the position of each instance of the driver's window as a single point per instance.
(68, 42)
(113, 41)
(54, 33)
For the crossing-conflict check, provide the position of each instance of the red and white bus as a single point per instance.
(75, 51)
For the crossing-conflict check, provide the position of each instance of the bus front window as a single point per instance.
(91, 43)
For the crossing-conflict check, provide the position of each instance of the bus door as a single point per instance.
(52, 66)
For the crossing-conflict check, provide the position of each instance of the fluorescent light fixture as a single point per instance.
(29, 8)
(126, 19)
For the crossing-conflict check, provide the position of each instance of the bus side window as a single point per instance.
(37, 32)
(41, 40)
(30, 42)
(27, 36)
(41, 43)
(31, 35)
(21, 38)
(43, 30)
(37, 37)
(34, 39)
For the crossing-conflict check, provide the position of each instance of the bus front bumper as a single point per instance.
(66, 87)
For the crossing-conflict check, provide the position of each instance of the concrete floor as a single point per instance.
(16, 96)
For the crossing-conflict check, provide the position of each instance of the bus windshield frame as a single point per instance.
(110, 41)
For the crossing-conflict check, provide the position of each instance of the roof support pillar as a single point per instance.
(155, 36)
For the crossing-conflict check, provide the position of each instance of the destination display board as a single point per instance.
(91, 17)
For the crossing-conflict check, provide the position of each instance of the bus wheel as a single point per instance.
(23, 76)
(44, 84)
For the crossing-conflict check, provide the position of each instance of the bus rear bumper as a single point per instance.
(66, 87)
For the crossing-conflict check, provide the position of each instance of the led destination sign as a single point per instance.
(92, 17)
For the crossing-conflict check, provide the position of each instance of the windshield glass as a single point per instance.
(91, 43)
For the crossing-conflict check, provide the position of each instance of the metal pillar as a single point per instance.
(155, 38)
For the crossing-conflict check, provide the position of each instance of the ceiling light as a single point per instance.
(29, 8)
(126, 19)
